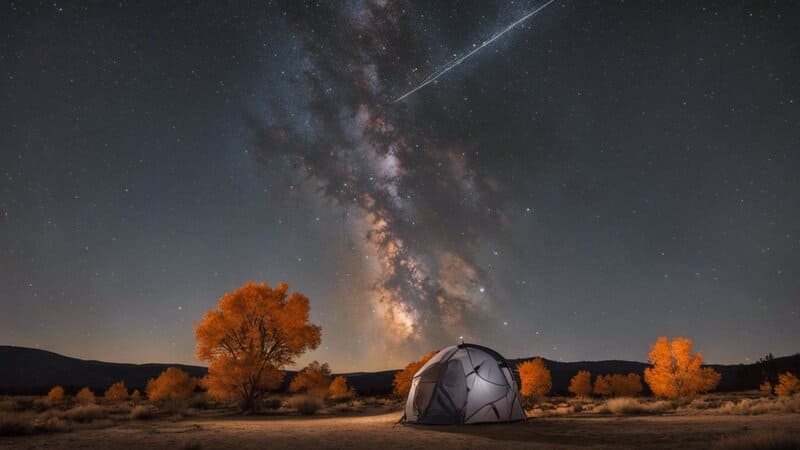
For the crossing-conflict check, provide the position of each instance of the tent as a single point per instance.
(464, 384)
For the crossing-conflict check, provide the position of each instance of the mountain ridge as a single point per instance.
(25, 370)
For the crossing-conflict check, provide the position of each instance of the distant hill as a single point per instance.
(32, 371)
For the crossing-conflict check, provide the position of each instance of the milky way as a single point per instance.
(421, 201)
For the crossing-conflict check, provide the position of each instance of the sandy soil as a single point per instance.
(380, 431)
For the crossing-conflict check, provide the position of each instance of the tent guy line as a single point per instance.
(452, 64)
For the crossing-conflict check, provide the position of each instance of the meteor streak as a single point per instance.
(439, 72)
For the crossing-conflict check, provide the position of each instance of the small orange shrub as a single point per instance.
(625, 385)
(766, 387)
(313, 379)
(172, 384)
(339, 390)
(535, 378)
(402, 381)
(85, 395)
(117, 391)
(56, 395)
(788, 384)
(581, 384)
(602, 386)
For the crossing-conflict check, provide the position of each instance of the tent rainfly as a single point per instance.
(464, 384)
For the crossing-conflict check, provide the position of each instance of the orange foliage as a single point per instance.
(172, 384)
(581, 384)
(535, 378)
(339, 390)
(314, 379)
(626, 385)
(254, 332)
(85, 395)
(788, 384)
(676, 372)
(117, 391)
(56, 395)
(602, 385)
(402, 381)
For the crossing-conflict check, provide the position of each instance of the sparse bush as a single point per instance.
(626, 405)
(763, 405)
(339, 391)
(117, 392)
(86, 413)
(788, 384)
(676, 371)
(144, 412)
(85, 396)
(581, 384)
(402, 381)
(535, 379)
(199, 401)
(52, 425)
(306, 404)
(172, 384)
(136, 395)
(759, 440)
(766, 387)
(56, 395)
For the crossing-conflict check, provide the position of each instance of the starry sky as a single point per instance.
(608, 172)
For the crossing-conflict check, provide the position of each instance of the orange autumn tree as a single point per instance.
(172, 384)
(402, 381)
(602, 385)
(338, 390)
(535, 379)
(314, 379)
(625, 385)
(788, 384)
(117, 391)
(56, 395)
(581, 384)
(248, 339)
(676, 371)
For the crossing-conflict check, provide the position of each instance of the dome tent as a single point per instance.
(464, 384)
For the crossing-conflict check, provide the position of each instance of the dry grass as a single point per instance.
(15, 424)
(745, 406)
(630, 406)
(759, 440)
(144, 412)
(86, 413)
(306, 404)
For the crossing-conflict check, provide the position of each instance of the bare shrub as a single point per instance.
(144, 412)
(758, 440)
(86, 413)
(52, 424)
(629, 406)
(306, 404)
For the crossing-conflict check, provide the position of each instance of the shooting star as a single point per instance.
(439, 72)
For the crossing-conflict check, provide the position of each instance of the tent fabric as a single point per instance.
(464, 384)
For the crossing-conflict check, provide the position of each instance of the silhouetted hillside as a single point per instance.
(33, 371)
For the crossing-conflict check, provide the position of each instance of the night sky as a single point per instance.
(609, 172)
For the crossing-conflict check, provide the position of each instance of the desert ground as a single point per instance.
(723, 421)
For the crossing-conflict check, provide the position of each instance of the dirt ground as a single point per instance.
(381, 431)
